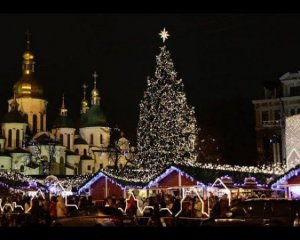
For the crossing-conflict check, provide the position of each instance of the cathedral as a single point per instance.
(66, 149)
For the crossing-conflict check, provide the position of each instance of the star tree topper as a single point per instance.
(164, 34)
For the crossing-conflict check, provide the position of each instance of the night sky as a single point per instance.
(222, 59)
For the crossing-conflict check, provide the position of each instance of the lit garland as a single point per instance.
(17, 180)
(153, 183)
(142, 177)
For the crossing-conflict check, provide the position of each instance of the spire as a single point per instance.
(28, 40)
(63, 109)
(95, 93)
(14, 104)
(84, 86)
(84, 102)
(95, 75)
(28, 63)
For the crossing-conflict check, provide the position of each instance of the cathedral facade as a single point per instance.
(66, 149)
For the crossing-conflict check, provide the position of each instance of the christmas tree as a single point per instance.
(167, 126)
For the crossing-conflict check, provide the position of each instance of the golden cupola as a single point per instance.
(95, 98)
(84, 102)
(27, 86)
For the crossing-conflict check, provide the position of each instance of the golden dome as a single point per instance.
(27, 86)
(84, 103)
(95, 92)
(28, 55)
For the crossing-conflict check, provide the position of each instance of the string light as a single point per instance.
(292, 132)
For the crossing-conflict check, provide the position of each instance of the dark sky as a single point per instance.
(223, 60)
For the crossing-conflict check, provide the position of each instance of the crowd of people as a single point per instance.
(23, 210)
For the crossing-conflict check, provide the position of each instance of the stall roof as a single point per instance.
(287, 179)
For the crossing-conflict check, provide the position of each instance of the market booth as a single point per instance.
(100, 186)
(250, 188)
(170, 186)
(288, 183)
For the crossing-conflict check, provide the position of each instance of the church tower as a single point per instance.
(93, 127)
(29, 94)
(63, 128)
(14, 126)
(84, 102)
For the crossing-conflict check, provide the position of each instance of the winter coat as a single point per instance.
(61, 208)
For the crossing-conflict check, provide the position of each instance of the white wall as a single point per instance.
(65, 132)
(84, 166)
(14, 127)
(32, 106)
(85, 133)
(81, 148)
(5, 162)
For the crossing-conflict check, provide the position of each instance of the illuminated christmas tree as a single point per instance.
(167, 125)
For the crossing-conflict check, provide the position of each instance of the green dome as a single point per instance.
(14, 117)
(63, 122)
(93, 118)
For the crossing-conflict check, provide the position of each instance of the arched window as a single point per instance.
(17, 138)
(101, 139)
(76, 151)
(69, 141)
(34, 123)
(92, 139)
(84, 152)
(26, 117)
(9, 138)
(101, 165)
(42, 122)
(22, 168)
(61, 139)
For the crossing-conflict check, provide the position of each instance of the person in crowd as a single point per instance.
(46, 210)
(224, 205)
(89, 201)
(131, 207)
(216, 210)
(26, 204)
(176, 205)
(113, 198)
(52, 208)
(122, 203)
(61, 208)
(109, 202)
(35, 212)
(197, 207)
(82, 202)
(212, 200)
(154, 220)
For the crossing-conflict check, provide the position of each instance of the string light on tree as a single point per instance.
(167, 125)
